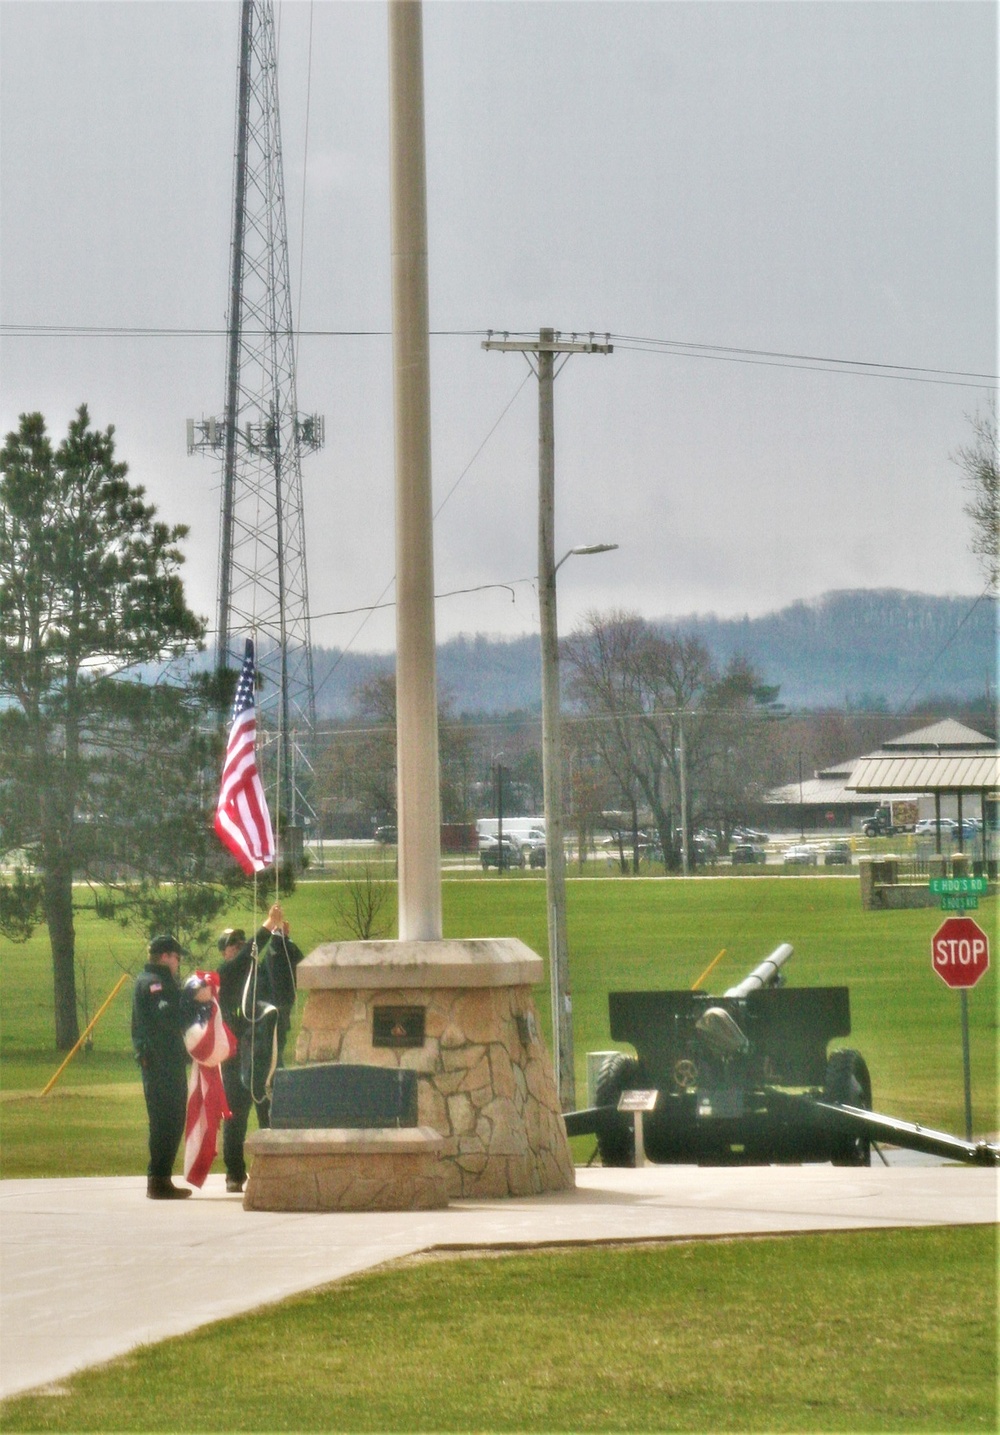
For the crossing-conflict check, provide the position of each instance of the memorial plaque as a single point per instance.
(398, 1026)
(332, 1094)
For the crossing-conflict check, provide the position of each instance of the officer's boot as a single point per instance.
(161, 1188)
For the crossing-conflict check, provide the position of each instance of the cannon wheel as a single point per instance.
(848, 1082)
(616, 1142)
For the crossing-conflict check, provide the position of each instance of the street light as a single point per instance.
(585, 549)
(555, 854)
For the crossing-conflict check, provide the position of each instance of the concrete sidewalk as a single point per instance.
(89, 1268)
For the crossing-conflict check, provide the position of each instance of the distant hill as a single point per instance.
(862, 648)
(478, 674)
(865, 647)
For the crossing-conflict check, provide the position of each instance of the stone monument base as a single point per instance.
(374, 1169)
(461, 1016)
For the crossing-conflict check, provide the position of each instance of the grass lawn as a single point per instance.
(624, 933)
(852, 1331)
(860, 1331)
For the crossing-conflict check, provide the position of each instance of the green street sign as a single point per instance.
(959, 902)
(954, 885)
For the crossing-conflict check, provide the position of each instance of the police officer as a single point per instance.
(160, 1012)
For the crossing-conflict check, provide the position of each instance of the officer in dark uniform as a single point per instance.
(160, 1012)
(278, 971)
(277, 959)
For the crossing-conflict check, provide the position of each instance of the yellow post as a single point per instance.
(714, 962)
(117, 988)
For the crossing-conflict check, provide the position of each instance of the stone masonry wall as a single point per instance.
(485, 1079)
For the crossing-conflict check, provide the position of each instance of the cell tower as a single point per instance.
(261, 436)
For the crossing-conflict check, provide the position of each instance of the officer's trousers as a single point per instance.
(234, 1128)
(165, 1090)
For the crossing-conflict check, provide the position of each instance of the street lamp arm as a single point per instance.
(582, 550)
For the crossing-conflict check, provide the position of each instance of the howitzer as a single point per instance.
(747, 1078)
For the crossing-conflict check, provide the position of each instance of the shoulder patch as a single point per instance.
(156, 986)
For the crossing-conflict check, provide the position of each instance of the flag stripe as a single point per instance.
(242, 821)
(207, 1106)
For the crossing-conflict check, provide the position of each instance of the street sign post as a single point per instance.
(960, 954)
(978, 885)
(959, 902)
(959, 894)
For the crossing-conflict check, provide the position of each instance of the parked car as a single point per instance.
(927, 827)
(386, 834)
(837, 854)
(745, 854)
(800, 855)
(536, 855)
(490, 853)
(748, 834)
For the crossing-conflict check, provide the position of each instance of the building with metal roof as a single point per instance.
(820, 802)
(945, 759)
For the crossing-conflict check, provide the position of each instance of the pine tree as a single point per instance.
(89, 591)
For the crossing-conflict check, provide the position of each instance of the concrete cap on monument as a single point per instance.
(960, 952)
(471, 962)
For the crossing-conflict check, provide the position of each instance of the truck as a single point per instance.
(890, 818)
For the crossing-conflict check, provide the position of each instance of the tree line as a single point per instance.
(109, 777)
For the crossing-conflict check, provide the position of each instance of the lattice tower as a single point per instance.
(261, 437)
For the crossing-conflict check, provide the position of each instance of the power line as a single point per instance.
(677, 348)
(124, 331)
(943, 648)
(805, 358)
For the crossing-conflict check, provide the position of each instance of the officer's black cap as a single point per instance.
(232, 937)
(161, 946)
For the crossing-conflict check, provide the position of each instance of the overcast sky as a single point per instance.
(797, 178)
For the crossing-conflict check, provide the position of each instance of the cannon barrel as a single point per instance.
(765, 974)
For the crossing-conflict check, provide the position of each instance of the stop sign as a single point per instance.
(960, 952)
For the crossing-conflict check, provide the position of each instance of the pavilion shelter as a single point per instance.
(944, 759)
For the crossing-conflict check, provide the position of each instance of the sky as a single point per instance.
(743, 183)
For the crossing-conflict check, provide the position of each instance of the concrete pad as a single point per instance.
(89, 1268)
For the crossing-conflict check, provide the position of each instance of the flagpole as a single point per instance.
(418, 804)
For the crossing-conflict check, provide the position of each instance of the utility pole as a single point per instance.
(261, 436)
(685, 854)
(544, 350)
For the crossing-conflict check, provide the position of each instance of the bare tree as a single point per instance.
(979, 463)
(363, 904)
(647, 695)
(358, 764)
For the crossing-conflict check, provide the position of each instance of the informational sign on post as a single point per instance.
(638, 1102)
(960, 954)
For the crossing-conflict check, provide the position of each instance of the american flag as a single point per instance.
(209, 1042)
(242, 820)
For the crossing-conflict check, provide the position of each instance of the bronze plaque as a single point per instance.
(398, 1026)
